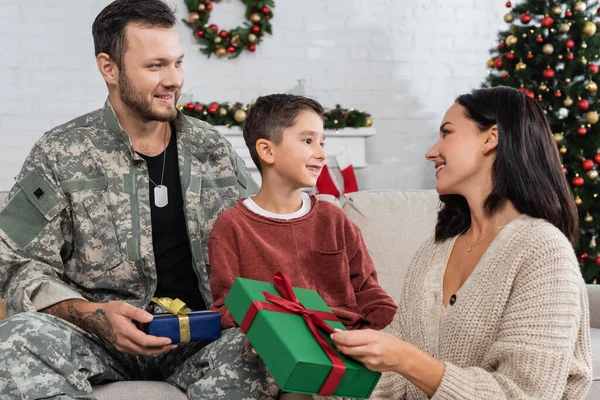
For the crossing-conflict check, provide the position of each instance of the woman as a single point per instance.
(493, 306)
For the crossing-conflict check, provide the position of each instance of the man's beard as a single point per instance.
(136, 101)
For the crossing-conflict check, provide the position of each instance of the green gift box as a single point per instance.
(287, 345)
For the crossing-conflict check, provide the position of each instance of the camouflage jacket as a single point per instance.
(77, 222)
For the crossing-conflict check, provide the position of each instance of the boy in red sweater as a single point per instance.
(282, 229)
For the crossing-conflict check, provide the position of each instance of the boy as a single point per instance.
(282, 229)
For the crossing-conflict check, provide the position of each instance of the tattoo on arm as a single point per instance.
(95, 322)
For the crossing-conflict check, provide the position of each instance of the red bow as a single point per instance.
(288, 303)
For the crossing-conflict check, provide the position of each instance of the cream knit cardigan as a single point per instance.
(518, 330)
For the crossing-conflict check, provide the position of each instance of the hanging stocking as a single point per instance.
(345, 165)
(325, 183)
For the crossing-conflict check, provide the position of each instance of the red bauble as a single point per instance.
(593, 68)
(525, 18)
(214, 105)
(223, 34)
(530, 94)
(583, 257)
(255, 29)
(208, 6)
(498, 62)
(265, 10)
(198, 107)
(252, 47)
(504, 75)
(557, 93)
(539, 39)
(577, 181)
(569, 14)
(510, 56)
(570, 43)
(189, 106)
(583, 104)
(564, 170)
(501, 46)
(212, 110)
(509, 4)
(581, 131)
(540, 98)
(213, 27)
(598, 11)
(522, 89)
(529, 56)
(597, 158)
(548, 73)
(231, 49)
(587, 165)
(570, 56)
(598, 260)
(547, 22)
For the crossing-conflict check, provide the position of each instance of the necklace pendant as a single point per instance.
(161, 198)
(469, 249)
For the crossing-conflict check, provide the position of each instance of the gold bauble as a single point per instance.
(511, 39)
(220, 52)
(193, 17)
(521, 66)
(218, 39)
(578, 200)
(239, 115)
(556, 9)
(568, 102)
(548, 48)
(222, 111)
(584, 60)
(583, 45)
(589, 28)
(252, 38)
(564, 28)
(236, 41)
(580, 6)
(591, 117)
(508, 18)
(543, 86)
(255, 18)
(558, 137)
(180, 107)
(201, 7)
(591, 87)
(568, 80)
(368, 122)
(592, 174)
(563, 150)
(490, 62)
(589, 218)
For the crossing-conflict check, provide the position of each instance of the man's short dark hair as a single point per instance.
(109, 26)
(270, 115)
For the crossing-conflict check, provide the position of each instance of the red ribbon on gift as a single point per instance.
(288, 303)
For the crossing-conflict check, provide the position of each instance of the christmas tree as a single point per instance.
(550, 52)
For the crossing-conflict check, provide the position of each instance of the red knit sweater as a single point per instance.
(322, 251)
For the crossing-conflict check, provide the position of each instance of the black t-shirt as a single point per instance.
(175, 273)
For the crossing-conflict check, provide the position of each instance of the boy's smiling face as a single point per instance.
(299, 158)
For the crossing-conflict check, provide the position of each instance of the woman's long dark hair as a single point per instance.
(527, 170)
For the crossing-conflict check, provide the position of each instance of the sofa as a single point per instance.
(394, 224)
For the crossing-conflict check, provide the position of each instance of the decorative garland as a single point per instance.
(234, 41)
(235, 114)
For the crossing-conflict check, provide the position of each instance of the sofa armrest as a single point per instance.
(593, 292)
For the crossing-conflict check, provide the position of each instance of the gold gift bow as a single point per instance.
(177, 307)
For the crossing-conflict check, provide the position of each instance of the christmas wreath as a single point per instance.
(234, 41)
(235, 114)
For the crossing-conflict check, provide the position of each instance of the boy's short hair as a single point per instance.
(270, 115)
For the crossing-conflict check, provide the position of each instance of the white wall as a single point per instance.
(403, 61)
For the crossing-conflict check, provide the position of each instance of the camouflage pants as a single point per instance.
(42, 356)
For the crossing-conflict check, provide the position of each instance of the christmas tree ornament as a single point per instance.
(583, 104)
(252, 47)
(504, 75)
(509, 17)
(508, 4)
(569, 13)
(520, 66)
(589, 218)
(581, 131)
(525, 18)
(239, 116)
(223, 34)
(593, 68)
(236, 41)
(498, 63)
(598, 260)
(222, 112)
(255, 18)
(584, 45)
(542, 86)
(557, 94)
(193, 17)
(580, 6)
(200, 33)
(255, 29)
(548, 48)
(511, 40)
(548, 73)
(587, 165)
(189, 106)
(569, 44)
(591, 117)
(578, 201)
(591, 87)
(547, 22)
(558, 137)
(218, 39)
(589, 28)
(201, 7)
(208, 6)
(539, 39)
(213, 28)
(198, 108)
(510, 56)
(556, 9)
(564, 28)
(568, 102)
(252, 38)
(597, 158)
(570, 56)
(563, 150)
(529, 55)
(584, 256)
(584, 60)
(577, 181)
(593, 174)
(231, 49)
(220, 52)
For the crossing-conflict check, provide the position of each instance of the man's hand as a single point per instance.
(112, 321)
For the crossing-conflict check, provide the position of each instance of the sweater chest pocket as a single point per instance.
(332, 277)
(96, 245)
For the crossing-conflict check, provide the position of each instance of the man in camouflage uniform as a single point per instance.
(77, 241)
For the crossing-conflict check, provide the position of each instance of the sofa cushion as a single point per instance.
(394, 224)
(138, 390)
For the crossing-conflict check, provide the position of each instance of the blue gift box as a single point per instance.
(198, 325)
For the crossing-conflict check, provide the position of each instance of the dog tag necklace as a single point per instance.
(161, 195)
